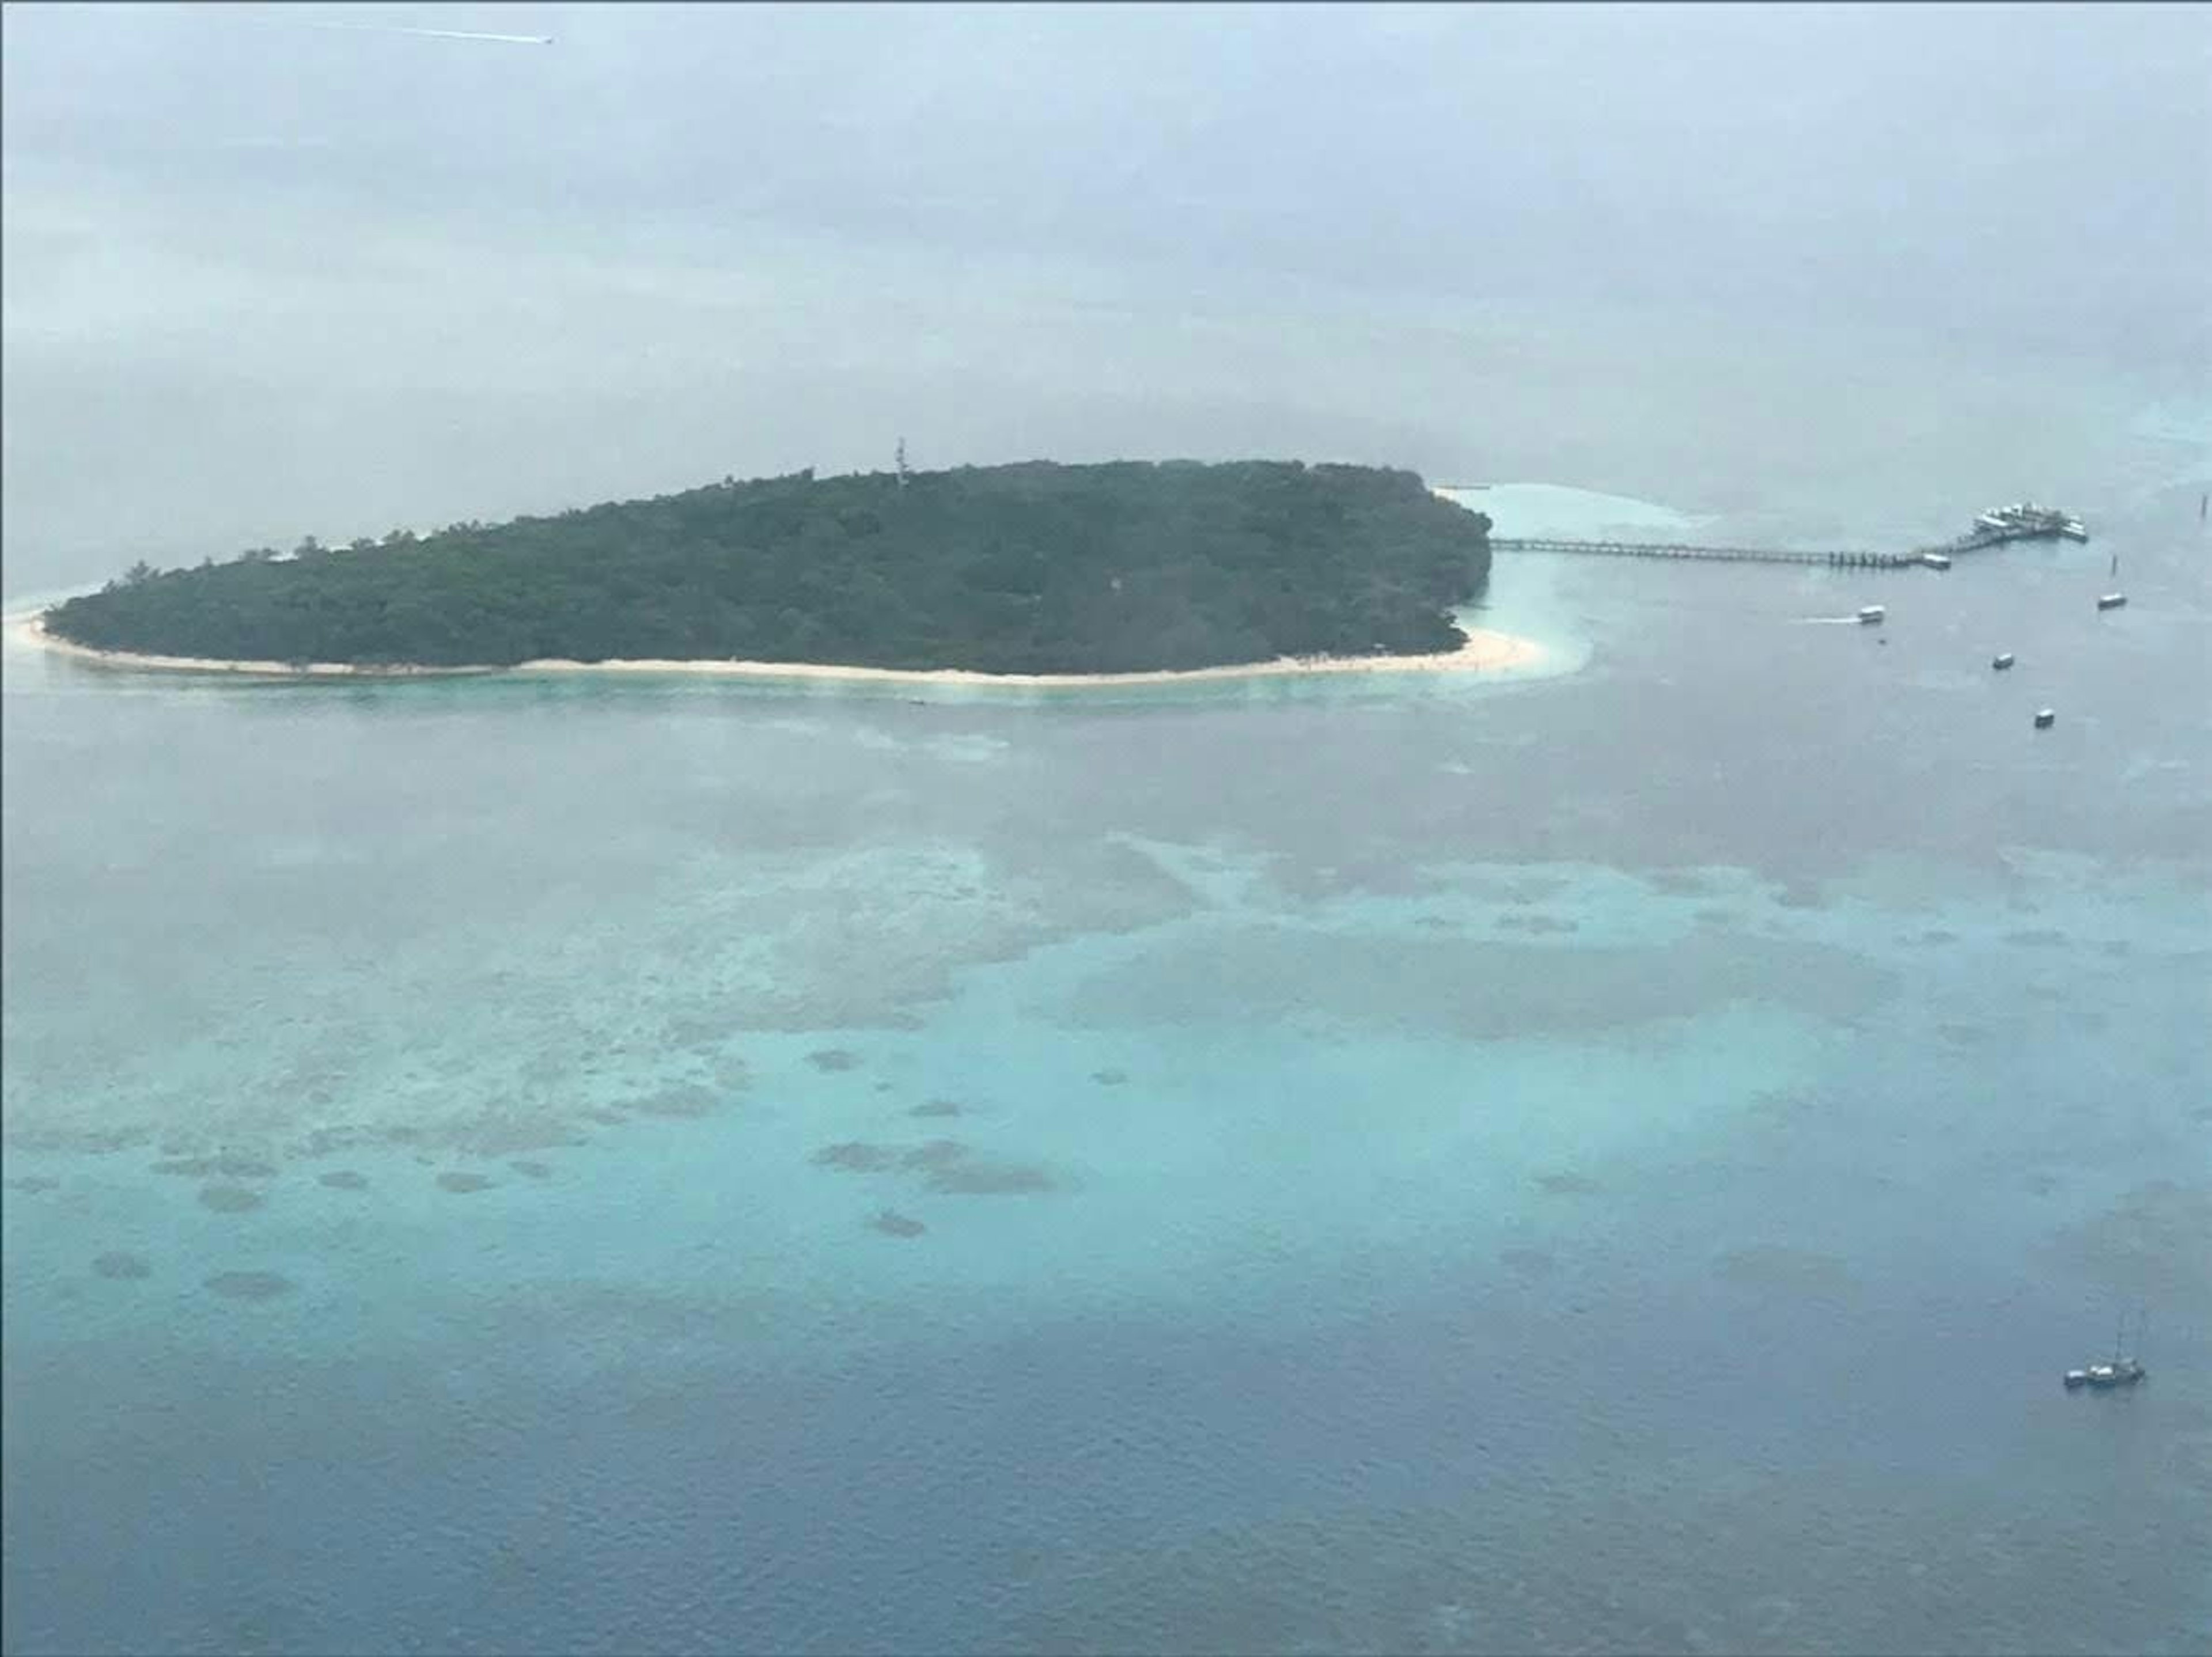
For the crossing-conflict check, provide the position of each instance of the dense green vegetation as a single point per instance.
(1036, 568)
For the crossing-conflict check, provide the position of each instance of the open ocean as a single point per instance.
(1609, 1160)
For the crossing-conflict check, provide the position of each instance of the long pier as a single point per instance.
(1973, 540)
(1712, 554)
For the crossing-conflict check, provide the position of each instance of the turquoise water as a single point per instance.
(1610, 1159)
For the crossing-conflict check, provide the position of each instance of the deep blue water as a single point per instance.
(1610, 1161)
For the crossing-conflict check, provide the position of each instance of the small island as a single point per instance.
(1035, 571)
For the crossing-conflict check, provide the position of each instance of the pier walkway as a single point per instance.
(1974, 541)
(1714, 555)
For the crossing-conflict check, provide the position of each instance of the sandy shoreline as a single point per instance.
(1484, 651)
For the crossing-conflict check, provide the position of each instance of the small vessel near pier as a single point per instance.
(2026, 520)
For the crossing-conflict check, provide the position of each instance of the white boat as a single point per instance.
(1935, 561)
(2025, 518)
(2045, 719)
(2112, 600)
(1871, 614)
(2002, 661)
(2121, 1371)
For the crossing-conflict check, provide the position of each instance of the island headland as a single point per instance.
(1031, 573)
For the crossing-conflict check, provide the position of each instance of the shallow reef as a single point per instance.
(251, 1285)
(231, 1198)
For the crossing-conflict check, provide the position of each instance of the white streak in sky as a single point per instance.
(436, 34)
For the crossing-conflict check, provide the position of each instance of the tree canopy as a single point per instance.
(1034, 568)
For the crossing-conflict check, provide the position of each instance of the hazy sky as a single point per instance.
(264, 278)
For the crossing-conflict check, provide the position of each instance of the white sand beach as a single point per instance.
(1484, 651)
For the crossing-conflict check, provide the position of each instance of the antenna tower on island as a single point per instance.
(903, 473)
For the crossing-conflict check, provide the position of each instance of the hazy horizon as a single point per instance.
(265, 279)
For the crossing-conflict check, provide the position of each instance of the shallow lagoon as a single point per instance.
(1617, 1157)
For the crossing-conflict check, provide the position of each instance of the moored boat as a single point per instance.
(2121, 1371)
(2026, 518)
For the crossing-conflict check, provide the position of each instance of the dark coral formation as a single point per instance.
(1568, 1185)
(1537, 923)
(947, 1166)
(933, 1154)
(855, 1156)
(230, 1199)
(687, 1101)
(228, 1167)
(988, 1179)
